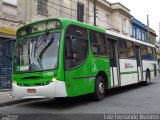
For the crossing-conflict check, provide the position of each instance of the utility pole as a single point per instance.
(95, 1)
(159, 37)
(1, 7)
(148, 29)
(60, 8)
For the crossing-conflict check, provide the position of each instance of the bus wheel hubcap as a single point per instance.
(148, 80)
(101, 88)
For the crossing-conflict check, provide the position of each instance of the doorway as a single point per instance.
(139, 63)
(114, 63)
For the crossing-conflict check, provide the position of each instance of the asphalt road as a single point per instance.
(132, 99)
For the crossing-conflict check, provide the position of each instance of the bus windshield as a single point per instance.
(37, 53)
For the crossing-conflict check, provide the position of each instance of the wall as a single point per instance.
(68, 9)
(139, 30)
(0, 7)
(8, 20)
(152, 37)
(6, 64)
(119, 13)
(9, 9)
(8, 15)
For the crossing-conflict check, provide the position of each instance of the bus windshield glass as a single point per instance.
(37, 53)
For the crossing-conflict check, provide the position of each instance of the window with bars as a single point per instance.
(134, 32)
(107, 21)
(80, 11)
(124, 25)
(42, 7)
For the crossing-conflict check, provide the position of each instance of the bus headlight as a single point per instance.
(14, 82)
(53, 80)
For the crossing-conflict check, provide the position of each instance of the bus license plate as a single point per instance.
(31, 90)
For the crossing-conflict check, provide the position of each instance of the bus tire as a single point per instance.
(99, 93)
(148, 78)
(155, 70)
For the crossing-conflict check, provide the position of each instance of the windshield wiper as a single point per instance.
(19, 45)
(43, 51)
(45, 35)
(23, 39)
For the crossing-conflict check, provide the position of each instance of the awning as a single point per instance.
(7, 30)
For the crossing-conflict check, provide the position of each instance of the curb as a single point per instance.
(14, 102)
(5, 90)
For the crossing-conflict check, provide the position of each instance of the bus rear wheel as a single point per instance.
(99, 88)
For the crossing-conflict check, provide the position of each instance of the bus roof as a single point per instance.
(128, 38)
(65, 22)
(85, 25)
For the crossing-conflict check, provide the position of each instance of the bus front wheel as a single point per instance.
(99, 88)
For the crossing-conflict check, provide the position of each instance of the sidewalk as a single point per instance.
(7, 99)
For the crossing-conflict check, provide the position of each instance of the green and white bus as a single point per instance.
(67, 58)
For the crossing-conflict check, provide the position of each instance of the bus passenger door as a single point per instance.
(77, 67)
(139, 63)
(114, 64)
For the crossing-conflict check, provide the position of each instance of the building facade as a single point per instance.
(121, 18)
(8, 19)
(152, 37)
(139, 30)
(110, 16)
(8, 25)
(114, 17)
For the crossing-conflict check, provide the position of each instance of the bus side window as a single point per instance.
(144, 52)
(76, 47)
(150, 53)
(122, 48)
(98, 44)
(112, 53)
(130, 49)
(77, 31)
(154, 53)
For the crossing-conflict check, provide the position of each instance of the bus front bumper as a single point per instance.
(54, 89)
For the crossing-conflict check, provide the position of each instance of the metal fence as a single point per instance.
(6, 49)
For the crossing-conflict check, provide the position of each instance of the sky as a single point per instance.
(11, 1)
(140, 8)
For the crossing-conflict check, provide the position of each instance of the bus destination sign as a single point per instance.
(39, 27)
